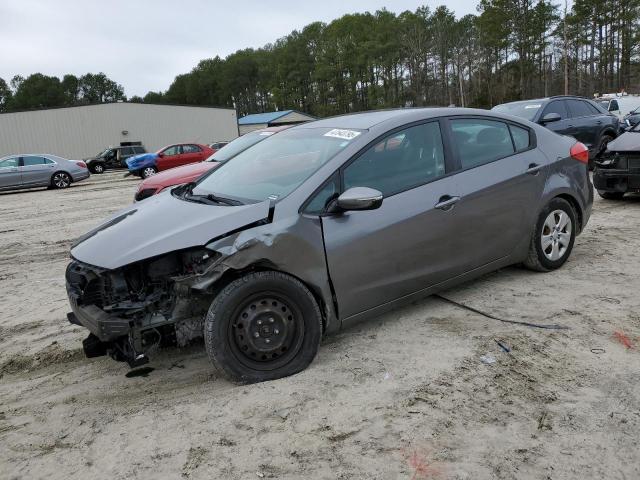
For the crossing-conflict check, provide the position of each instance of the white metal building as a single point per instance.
(84, 131)
(256, 121)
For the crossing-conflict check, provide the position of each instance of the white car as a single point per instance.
(620, 105)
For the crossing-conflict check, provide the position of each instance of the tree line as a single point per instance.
(42, 91)
(509, 50)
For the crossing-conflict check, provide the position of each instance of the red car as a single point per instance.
(148, 164)
(183, 154)
(188, 173)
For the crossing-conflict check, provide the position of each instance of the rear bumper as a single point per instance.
(81, 176)
(614, 180)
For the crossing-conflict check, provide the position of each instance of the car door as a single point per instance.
(377, 256)
(10, 174)
(587, 123)
(36, 171)
(169, 157)
(500, 181)
(565, 125)
(190, 154)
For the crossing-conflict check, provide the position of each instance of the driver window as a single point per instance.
(400, 161)
(175, 150)
(556, 107)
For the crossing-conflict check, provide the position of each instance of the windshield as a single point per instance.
(103, 153)
(238, 145)
(526, 110)
(275, 167)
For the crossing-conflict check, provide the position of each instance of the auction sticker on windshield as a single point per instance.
(343, 134)
(533, 105)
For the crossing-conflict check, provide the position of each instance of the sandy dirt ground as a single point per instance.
(405, 396)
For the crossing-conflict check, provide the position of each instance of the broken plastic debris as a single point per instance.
(488, 359)
(387, 376)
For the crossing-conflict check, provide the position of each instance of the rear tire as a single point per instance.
(60, 180)
(611, 195)
(97, 168)
(263, 326)
(553, 237)
(148, 172)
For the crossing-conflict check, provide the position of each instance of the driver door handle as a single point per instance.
(534, 168)
(446, 202)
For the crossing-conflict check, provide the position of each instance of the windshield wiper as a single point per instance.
(187, 194)
(226, 201)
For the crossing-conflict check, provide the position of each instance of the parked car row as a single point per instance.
(320, 225)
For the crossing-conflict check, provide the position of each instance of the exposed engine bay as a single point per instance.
(139, 307)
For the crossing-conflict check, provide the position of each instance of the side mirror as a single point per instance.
(359, 198)
(160, 155)
(550, 117)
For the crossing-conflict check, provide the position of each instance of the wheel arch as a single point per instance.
(576, 208)
(264, 265)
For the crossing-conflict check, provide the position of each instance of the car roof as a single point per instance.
(367, 120)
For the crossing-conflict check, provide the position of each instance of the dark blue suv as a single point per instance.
(578, 117)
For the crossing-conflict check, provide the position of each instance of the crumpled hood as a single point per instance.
(161, 224)
(627, 142)
(142, 160)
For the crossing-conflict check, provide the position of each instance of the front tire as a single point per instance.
(611, 195)
(60, 180)
(553, 237)
(148, 172)
(263, 326)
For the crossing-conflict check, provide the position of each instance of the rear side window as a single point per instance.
(31, 161)
(126, 151)
(481, 141)
(521, 137)
(138, 150)
(578, 108)
(190, 149)
(400, 161)
(556, 107)
(613, 106)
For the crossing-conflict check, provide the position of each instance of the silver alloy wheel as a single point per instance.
(556, 235)
(98, 168)
(148, 172)
(61, 180)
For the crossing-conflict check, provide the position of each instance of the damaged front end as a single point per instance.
(139, 307)
(618, 172)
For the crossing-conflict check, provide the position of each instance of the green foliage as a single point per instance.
(509, 50)
(42, 91)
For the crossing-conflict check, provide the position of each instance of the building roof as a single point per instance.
(268, 117)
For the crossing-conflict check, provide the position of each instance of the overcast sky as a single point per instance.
(144, 44)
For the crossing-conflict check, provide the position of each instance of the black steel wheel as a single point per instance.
(263, 326)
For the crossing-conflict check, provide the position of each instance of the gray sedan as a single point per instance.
(323, 225)
(40, 170)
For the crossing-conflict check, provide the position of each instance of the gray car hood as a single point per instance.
(627, 142)
(158, 225)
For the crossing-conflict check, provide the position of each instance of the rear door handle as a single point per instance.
(534, 168)
(447, 202)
